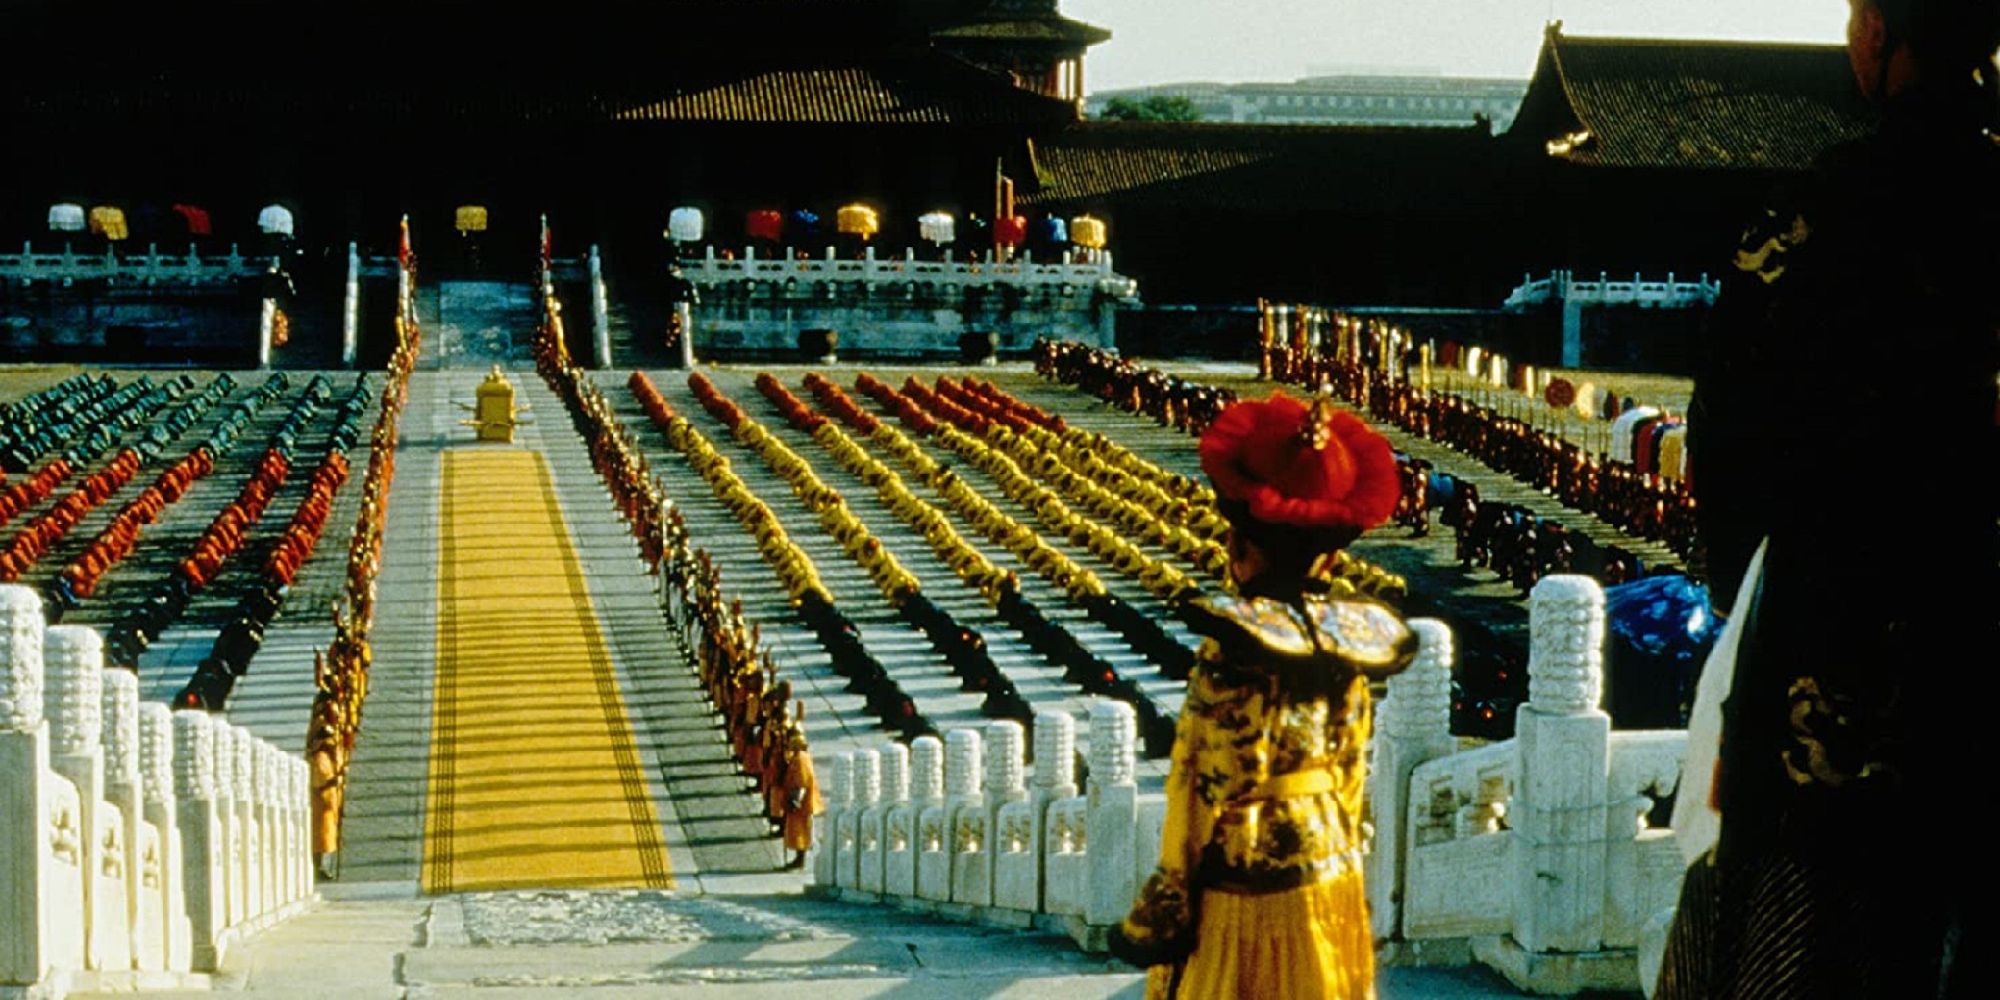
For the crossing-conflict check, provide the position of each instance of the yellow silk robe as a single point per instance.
(1260, 864)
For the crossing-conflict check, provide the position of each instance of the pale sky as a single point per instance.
(1169, 41)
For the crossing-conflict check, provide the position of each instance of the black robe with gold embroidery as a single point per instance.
(1845, 409)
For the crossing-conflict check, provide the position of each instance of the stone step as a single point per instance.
(902, 649)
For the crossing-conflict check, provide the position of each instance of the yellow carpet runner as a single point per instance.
(534, 778)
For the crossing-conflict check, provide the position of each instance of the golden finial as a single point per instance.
(1316, 431)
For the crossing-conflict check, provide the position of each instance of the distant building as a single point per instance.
(1342, 100)
(1630, 156)
(602, 115)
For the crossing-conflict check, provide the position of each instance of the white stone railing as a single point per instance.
(131, 267)
(136, 844)
(1534, 851)
(948, 277)
(1532, 854)
(1561, 285)
(962, 827)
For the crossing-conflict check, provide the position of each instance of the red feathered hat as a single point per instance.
(1301, 466)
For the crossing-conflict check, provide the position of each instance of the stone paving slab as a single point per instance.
(379, 941)
(389, 773)
(711, 822)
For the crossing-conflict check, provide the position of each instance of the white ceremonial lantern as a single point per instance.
(684, 225)
(66, 217)
(937, 227)
(275, 220)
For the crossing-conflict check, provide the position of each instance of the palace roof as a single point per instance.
(1057, 29)
(1254, 166)
(588, 62)
(1644, 103)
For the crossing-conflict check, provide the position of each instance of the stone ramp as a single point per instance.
(376, 941)
(478, 322)
(712, 828)
(535, 779)
(382, 839)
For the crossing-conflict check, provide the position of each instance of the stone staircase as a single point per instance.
(638, 317)
(837, 722)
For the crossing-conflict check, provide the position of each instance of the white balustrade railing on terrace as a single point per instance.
(1092, 275)
(1532, 855)
(130, 267)
(1563, 285)
(137, 844)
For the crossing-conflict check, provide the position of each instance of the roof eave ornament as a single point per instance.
(1571, 144)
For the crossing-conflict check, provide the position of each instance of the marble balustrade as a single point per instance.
(137, 844)
(1533, 855)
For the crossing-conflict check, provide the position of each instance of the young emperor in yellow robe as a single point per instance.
(1258, 892)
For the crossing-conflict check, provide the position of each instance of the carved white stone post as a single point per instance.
(156, 782)
(266, 323)
(1055, 780)
(203, 847)
(902, 825)
(36, 886)
(287, 777)
(684, 318)
(282, 808)
(300, 867)
(270, 827)
(1415, 727)
(893, 845)
(894, 787)
(120, 717)
(826, 833)
(277, 807)
(250, 806)
(1114, 811)
(74, 700)
(965, 824)
(1007, 785)
(866, 774)
(1563, 739)
(290, 797)
(229, 846)
(933, 844)
(1055, 757)
(350, 316)
(243, 853)
(302, 802)
(600, 313)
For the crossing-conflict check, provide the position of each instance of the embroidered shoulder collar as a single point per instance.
(1362, 634)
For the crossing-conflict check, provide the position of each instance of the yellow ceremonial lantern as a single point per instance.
(470, 219)
(493, 412)
(857, 220)
(109, 222)
(1087, 232)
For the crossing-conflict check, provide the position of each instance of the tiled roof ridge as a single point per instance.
(1631, 41)
(1141, 129)
(1556, 38)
